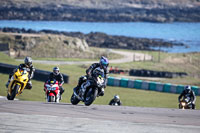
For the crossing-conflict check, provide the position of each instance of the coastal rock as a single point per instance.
(44, 45)
(102, 10)
(97, 39)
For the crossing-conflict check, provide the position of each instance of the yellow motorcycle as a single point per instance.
(17, 83)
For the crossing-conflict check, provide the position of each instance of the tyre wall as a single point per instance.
(161, 74)
(148, 85)
(39, 75)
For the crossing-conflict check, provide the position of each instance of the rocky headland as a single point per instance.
(101, 10)
(102, 40)
(43, 45)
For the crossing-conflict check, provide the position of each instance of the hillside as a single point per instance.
(44, 45)
(101, 10)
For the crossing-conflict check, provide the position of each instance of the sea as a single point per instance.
(179, 32)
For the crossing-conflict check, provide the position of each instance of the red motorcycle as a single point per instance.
(51, 87)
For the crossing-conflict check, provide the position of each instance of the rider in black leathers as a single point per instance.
(115, 101)
(188, 92)
(103, 64)
(58, 77)
(30, 69)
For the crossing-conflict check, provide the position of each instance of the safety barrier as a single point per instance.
(39, 75)
(148, 85)
(161, 74)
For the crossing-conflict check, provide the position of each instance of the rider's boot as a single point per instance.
(61, 92)
(7, 83)
(102, 92)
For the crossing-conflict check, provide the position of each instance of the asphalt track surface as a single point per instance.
(28, 116)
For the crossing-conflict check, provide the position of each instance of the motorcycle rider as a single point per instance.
(58, 77)
(30, 69)
(116, 101)
(188, 92)
(103, 64)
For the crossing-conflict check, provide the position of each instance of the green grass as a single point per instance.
(98, 51)
(129, 97)
(172, 62)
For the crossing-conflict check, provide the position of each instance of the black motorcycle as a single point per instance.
(185, 103)
(92, 91)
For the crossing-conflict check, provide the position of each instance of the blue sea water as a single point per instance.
(187, 33)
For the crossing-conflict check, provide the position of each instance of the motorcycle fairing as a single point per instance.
(20, 77)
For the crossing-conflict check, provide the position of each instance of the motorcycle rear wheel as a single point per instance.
(74, 100)
(90, 96)
(14, 92)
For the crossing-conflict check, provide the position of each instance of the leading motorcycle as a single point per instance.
(92, 91)
(17, 83)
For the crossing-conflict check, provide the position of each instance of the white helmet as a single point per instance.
(116, 98)
(188, 89)
(28, 61)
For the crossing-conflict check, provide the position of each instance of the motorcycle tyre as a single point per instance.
(74, 100)
(14, 92)
(92, 94)
(50, 98)
(180, 107)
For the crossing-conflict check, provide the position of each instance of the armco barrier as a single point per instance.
(38, 75)
(153, 86)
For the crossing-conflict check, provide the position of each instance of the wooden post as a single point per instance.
(159, 54)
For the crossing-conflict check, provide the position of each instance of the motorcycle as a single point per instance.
(17, 83)
(91, 91)
(185, 103)
(52, 91)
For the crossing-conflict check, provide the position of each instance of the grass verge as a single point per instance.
(129, 97)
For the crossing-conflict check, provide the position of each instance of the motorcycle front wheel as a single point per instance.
(50, 98)
(13, 93)
(90, 96)
(74, 99)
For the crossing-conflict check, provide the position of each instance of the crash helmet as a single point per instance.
(28, 61)
(104, 62)
(116, 98)
(188, 89)
(56, 71)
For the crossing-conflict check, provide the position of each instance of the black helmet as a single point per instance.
(56, 70)
(28, 61)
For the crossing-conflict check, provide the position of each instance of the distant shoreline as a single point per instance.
(102, 40)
